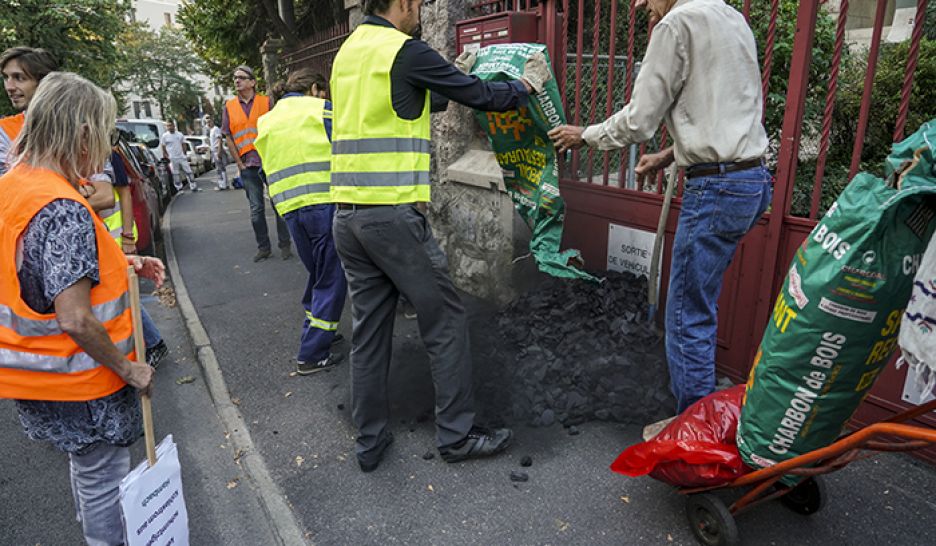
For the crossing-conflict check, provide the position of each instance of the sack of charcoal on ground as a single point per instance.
(834, 328)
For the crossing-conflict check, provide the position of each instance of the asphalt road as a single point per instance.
(302, 427)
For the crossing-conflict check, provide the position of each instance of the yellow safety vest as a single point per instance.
(113, 219)
(378, 158)
(296, 153)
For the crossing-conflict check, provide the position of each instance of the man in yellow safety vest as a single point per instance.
(381, 83)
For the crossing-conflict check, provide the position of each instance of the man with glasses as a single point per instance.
(239, 126)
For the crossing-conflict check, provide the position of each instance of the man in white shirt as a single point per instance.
(216, 142)
(173, 150)
(701, 76)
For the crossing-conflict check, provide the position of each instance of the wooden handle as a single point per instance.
(149, 436)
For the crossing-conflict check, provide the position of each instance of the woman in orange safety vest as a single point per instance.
(66, 343)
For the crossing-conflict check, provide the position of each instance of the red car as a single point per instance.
(145, 200)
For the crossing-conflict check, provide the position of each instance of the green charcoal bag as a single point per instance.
(527, 156)
(836, 320)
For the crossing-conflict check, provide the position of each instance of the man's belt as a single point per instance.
(709, 169)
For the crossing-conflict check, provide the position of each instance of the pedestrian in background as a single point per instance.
(381, 83)
(173, 150)
(66, 358)
(700, 74)
(239, 126)
(218, 155)
(294, 142)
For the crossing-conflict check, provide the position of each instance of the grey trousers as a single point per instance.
(387, 251)
(95, 478)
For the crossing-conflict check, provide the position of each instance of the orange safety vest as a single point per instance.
(243, 128)
(13, 125)
(38, 360)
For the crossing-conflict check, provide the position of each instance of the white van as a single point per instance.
(144, 131)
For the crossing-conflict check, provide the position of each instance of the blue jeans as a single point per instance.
(254, 181)
(151, 335)
(326, 288)
(716, 212)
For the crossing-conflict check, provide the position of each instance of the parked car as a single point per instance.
(145, 200)
(145, 131)
(157, 172)
(196, 161)
(202, 148)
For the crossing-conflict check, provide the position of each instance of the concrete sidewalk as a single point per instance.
(35, 498)
(302, 428)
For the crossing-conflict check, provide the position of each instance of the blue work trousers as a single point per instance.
(716, 212)
(311, 230)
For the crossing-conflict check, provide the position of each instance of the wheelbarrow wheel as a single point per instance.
(807, 497)
(711, 521)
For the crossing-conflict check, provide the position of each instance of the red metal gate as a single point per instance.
(603, 41)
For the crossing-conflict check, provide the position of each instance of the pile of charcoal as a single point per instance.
(572, 351)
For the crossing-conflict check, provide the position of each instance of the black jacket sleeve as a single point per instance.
(418, 67)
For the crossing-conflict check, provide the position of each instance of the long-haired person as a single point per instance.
(66, 331)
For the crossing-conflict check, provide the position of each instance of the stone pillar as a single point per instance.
(355, 10)
(472, 216)
(269, 52)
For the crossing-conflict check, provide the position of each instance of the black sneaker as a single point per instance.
(480, 442)
(372, 466)
(156, 353)
(262, 255)
(286, 253)
(309, 368)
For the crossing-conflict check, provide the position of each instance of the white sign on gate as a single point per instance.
(630, 250)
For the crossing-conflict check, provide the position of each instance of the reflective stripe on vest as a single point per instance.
(78, 362)
(113, 219)
(27, 327)
(378, 158)
(296, 154)
(244, 128)
(38, 360)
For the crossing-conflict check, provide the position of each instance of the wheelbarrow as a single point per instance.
(713, 522)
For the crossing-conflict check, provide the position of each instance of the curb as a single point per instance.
(280, 515)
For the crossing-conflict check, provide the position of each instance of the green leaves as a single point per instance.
(162, 66)
(80, 33)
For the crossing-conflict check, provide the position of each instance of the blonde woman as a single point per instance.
(66, 333)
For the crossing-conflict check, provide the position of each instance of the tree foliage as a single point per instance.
(80, 33)
(227, 33)
(161, 65)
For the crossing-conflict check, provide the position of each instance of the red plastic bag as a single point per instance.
(697, 449)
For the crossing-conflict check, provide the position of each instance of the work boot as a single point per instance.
(286, 252)
(262, 255)
(309, 368)
(480, 442)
